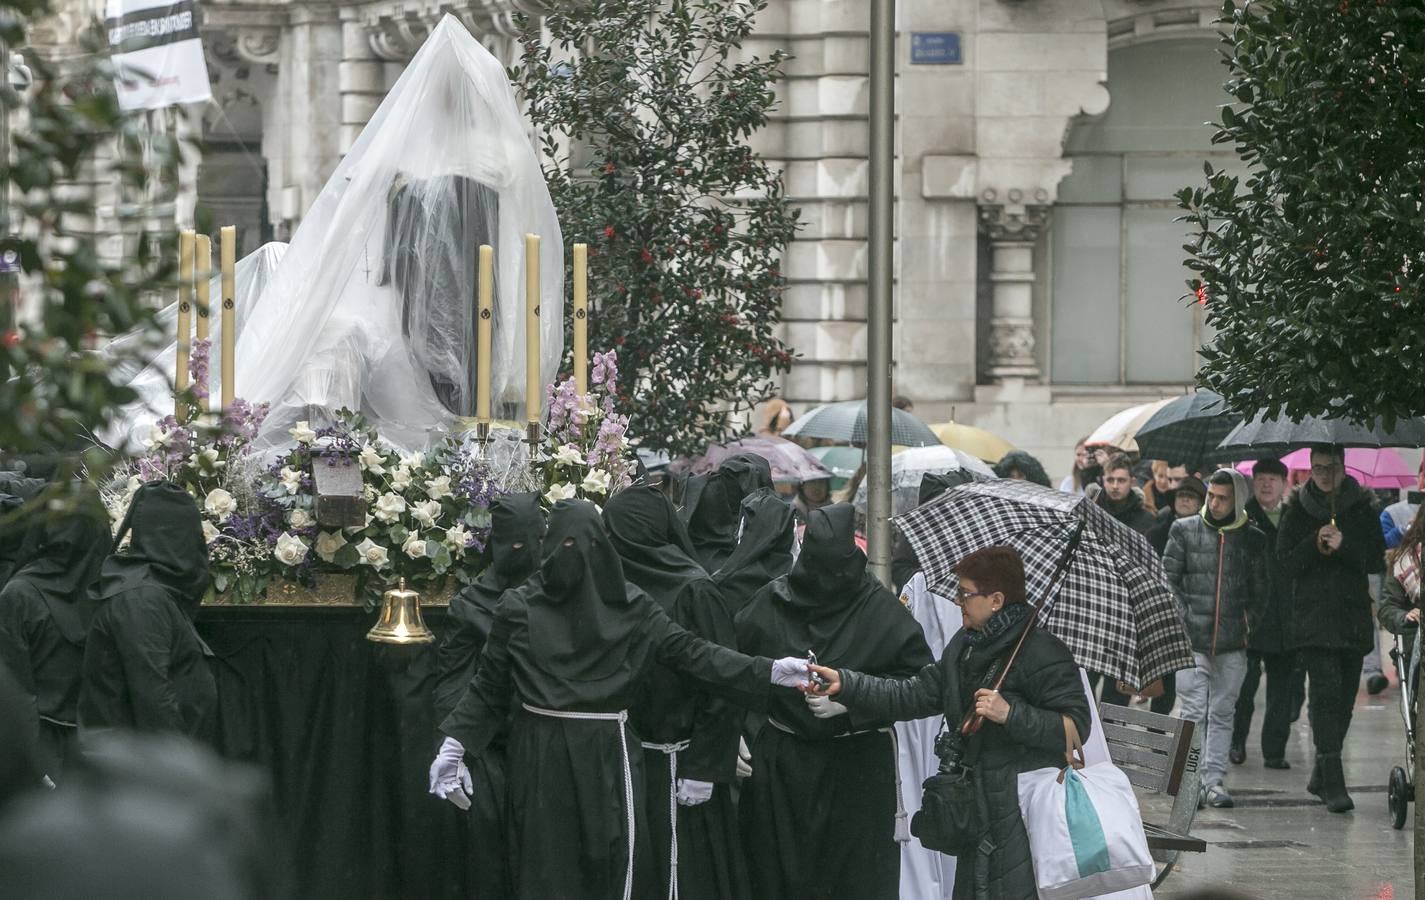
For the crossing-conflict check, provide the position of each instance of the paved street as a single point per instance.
(1279, 841)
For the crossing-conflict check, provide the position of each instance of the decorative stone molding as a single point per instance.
(1015, 221)
(397, 27)
(1013, 230)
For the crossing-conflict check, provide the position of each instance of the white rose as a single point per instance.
(426, 512)
(569, 455)
(372, 553)
(413, 460)
(290, 549)
(205, 458)
(302, 433)
(563, 491)
(328, 543)
(372, 460)
(157, 437)
(457, 539)
(596, 482)
(210, 532)
(438, 487)
(219, 504)
(300, 518)
(291, 479)
(401, 479)
(415, 546)
(390, 507)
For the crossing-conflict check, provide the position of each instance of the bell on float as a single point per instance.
(400, 621)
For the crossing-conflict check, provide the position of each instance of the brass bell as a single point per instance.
(400, 621)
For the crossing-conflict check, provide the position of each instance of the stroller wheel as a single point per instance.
(1398, 797)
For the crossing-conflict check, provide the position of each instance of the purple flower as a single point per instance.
(198, 367)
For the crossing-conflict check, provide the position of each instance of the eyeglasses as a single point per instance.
(1327, 469)
(962, 595)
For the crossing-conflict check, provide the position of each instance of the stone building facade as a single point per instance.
(1038, 267)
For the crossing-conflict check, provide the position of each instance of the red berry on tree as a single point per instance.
(609, 232)
(646, 256)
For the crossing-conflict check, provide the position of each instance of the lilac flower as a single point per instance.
(198, 367)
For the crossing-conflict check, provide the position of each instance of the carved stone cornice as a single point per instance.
(397, 27)
(1014, 221)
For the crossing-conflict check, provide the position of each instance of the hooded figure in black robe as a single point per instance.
(689, 736)
(764, 551)
(516, 529)
(712, 505)
(15, 489)
(572, 646)
(819, 811)
(145, 668)
(45, 610)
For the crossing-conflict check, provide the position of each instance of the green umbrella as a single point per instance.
(842, 461)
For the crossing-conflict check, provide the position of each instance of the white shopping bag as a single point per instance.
(1085, 831)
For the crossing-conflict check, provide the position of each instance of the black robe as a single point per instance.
(764, 552)
(15, 489)
(712, 506)
(671, 709)
(45, 611)
(145, 668)
(826, 783)
(512, 551)
(576, 638)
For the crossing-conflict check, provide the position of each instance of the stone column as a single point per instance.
(361, 77)
(1013, 231)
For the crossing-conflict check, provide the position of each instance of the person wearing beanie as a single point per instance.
(1267, 645)
(1215, 563)
(1187, 500)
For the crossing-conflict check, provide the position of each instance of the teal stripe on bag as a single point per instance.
(1085, 830)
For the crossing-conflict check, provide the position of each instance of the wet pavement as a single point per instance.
(1280, 842)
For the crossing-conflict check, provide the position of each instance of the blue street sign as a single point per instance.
(935, 48)
(9, 262)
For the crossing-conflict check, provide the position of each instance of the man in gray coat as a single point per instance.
(1216, 566)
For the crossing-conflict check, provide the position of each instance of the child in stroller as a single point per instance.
(1399, 612)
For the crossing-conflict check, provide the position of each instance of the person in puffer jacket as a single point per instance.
(1216, 566)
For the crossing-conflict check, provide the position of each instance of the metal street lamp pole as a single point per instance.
(879, 296)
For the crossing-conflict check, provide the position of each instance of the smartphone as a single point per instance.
(816, 679)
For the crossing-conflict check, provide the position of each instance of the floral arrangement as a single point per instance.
(427, 513)
(587, 446)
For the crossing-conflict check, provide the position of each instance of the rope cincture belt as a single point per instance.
(621, 717)
(671, 751)
(902, 827)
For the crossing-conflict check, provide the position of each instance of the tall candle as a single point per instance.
(581, 318)
(485, 314)
(227, 260)
(202, 272)
(533, 388)
(185, 312)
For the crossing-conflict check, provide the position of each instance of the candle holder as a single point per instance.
(482, 439)
(534, 438)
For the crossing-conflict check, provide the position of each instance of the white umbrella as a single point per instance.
(910, 466)
(1120, 429)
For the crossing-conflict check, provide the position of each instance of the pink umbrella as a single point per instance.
(1372, 467)
(790, 463)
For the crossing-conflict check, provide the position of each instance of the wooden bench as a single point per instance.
(1159, 754)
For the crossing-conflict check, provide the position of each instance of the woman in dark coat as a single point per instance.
(764, 552)
(689, 736)
(572, 647)
(1024, 727)
(145, 668)
(712, 506)
(516, 529)
(45, 611)
(821, 773)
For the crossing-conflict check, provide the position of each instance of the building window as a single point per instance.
(1117, 310)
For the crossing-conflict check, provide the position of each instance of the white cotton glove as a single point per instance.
(691, 793)
(449, 779)
(744, 759)
(790, 671)
(824, 707)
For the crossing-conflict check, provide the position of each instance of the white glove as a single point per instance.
(744, 759)
(824, 707)
(790, 671)
(449, 779)
(691, 793)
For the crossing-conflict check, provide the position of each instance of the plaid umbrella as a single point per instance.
(1188, 429)
(1113, 607)
(1271, 437)
(790, 463)
(846, 422)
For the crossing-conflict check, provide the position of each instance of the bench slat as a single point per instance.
(1148, 781)
(1120, 734)
(1161, 839)
(1124, 715)
(1145, 760)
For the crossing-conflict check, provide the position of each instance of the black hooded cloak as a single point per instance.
(815, 782)
(145, 668)
(45, 610)
(764, 551)
(671, 710)
(512, 552)
(577, 639)
(15, 489)
(712, 505)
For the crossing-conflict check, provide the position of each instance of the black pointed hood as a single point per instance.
(652, 543)
(63, 557)
(166, 547)
(511, 552)
(712, 505)
(764, 551)
(830, 569)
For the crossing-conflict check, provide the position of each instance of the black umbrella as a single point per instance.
(1188, 429)
(1272, 437)
(846, 422)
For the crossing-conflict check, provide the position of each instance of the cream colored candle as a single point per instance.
(202, 272)
(533, 388)
(227, 259)
(185, 311)
(485, 315)
(581, 318)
